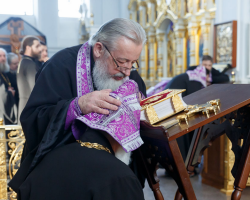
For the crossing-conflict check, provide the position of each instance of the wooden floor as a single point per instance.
(202, 191)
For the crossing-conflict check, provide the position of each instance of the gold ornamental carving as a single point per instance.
(172, 6)
(160, 37)
(152, 1)
(130, 16)
(163, 15)
(178, 10)
(3, 167)
(152, 115)
(162, 7)
(154, 15)
(15, 140)
(178, 105)
(228, 164)
(141, 17)
(142, 3)
(190, 6)
(149, 11)
(151, 39)
(131, 2)
(179, 34)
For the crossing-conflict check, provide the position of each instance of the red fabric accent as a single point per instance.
(161, 96)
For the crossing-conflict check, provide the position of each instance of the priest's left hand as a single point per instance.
(11, 89)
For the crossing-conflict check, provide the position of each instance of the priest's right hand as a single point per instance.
(98, 102)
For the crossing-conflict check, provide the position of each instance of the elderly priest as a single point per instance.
(82, 120)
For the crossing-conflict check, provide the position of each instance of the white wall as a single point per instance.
(105, 10)
(239, 10)
(226, 10)
(63, 32)
(60, 32)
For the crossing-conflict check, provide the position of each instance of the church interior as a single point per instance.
(181, 34)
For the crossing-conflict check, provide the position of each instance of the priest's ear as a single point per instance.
(98, 49)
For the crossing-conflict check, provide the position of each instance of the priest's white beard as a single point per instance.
(122, 155)
(4, 67)
(102, 79)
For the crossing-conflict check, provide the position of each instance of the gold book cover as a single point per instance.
(162, 105)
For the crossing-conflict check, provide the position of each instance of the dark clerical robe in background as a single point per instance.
(43, 119)
(8, 104)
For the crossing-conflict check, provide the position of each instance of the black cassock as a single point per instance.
(43, 118)
(8, 104)
(76, 172)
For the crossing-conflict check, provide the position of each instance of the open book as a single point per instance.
(162, 105)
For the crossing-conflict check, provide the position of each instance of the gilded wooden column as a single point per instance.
(143, 20)
(171, 51)
(228, 164)
(160, 38)
(179, 35)
(193, 35)
(152, 71)
(205, 31)
(3, 169)
(133, 15)
(151, 11)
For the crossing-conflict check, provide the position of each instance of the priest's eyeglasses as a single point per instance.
(134, 67)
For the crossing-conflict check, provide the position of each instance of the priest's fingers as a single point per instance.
(99, 110)
(111, 100)
(106, 90)
(106, 105)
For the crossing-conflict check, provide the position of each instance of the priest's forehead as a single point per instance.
(126, 50)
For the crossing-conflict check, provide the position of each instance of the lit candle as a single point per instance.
(233, 76)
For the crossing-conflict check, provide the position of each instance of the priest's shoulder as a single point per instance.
(64, 57)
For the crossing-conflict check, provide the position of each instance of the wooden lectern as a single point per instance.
(232, 119)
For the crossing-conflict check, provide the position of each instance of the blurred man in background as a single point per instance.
(43, 58)
(28, 67)
(44, 53)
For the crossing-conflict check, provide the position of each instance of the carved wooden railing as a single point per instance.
(11, 147)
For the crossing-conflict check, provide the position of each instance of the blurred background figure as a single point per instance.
(8, 107)
(198, 77)
(13, 61)
(44, 53)
(28, 67)
(44, 57)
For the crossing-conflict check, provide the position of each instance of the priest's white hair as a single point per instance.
(110, 32)
(4, 67)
